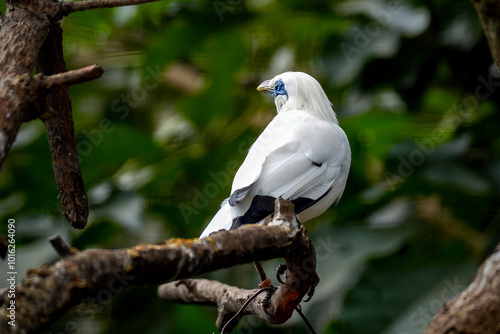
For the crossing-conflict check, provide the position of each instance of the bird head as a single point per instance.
(299, 91)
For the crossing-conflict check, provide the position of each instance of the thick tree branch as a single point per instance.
(488, 12)
(477, 308)
(22, 35)
(25, 28)
(76, 6)
(275, 307)
(95, 275)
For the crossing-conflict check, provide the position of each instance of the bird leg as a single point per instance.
(284, 213)
(265, 281)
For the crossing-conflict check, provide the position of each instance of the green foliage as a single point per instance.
(162, 133)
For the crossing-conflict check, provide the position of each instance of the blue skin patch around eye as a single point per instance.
(278, 89)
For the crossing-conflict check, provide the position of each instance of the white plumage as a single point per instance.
(303, 156)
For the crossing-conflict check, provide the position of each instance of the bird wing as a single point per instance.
(297, 156)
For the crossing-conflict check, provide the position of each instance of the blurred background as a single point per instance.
(162, 133)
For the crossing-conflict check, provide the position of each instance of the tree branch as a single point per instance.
(488, 12)
(95, 275)
(58, 119)
(76, 6)
(69, 78)
(477, 308)
(227, 298)
(61, 247)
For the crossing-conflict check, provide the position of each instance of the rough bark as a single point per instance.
(275, 307)
(46, 293)
(477, 308)
(61, 133)
(23, 33)
(488, 12)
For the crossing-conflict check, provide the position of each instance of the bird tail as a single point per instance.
(221, 221)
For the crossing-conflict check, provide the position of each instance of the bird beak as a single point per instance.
(264, 87)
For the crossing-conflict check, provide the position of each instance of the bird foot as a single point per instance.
(280, 271)
(312, 289)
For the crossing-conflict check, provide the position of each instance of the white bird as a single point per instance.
(303, 156)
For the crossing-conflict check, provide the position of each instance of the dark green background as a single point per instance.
(162, 133)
